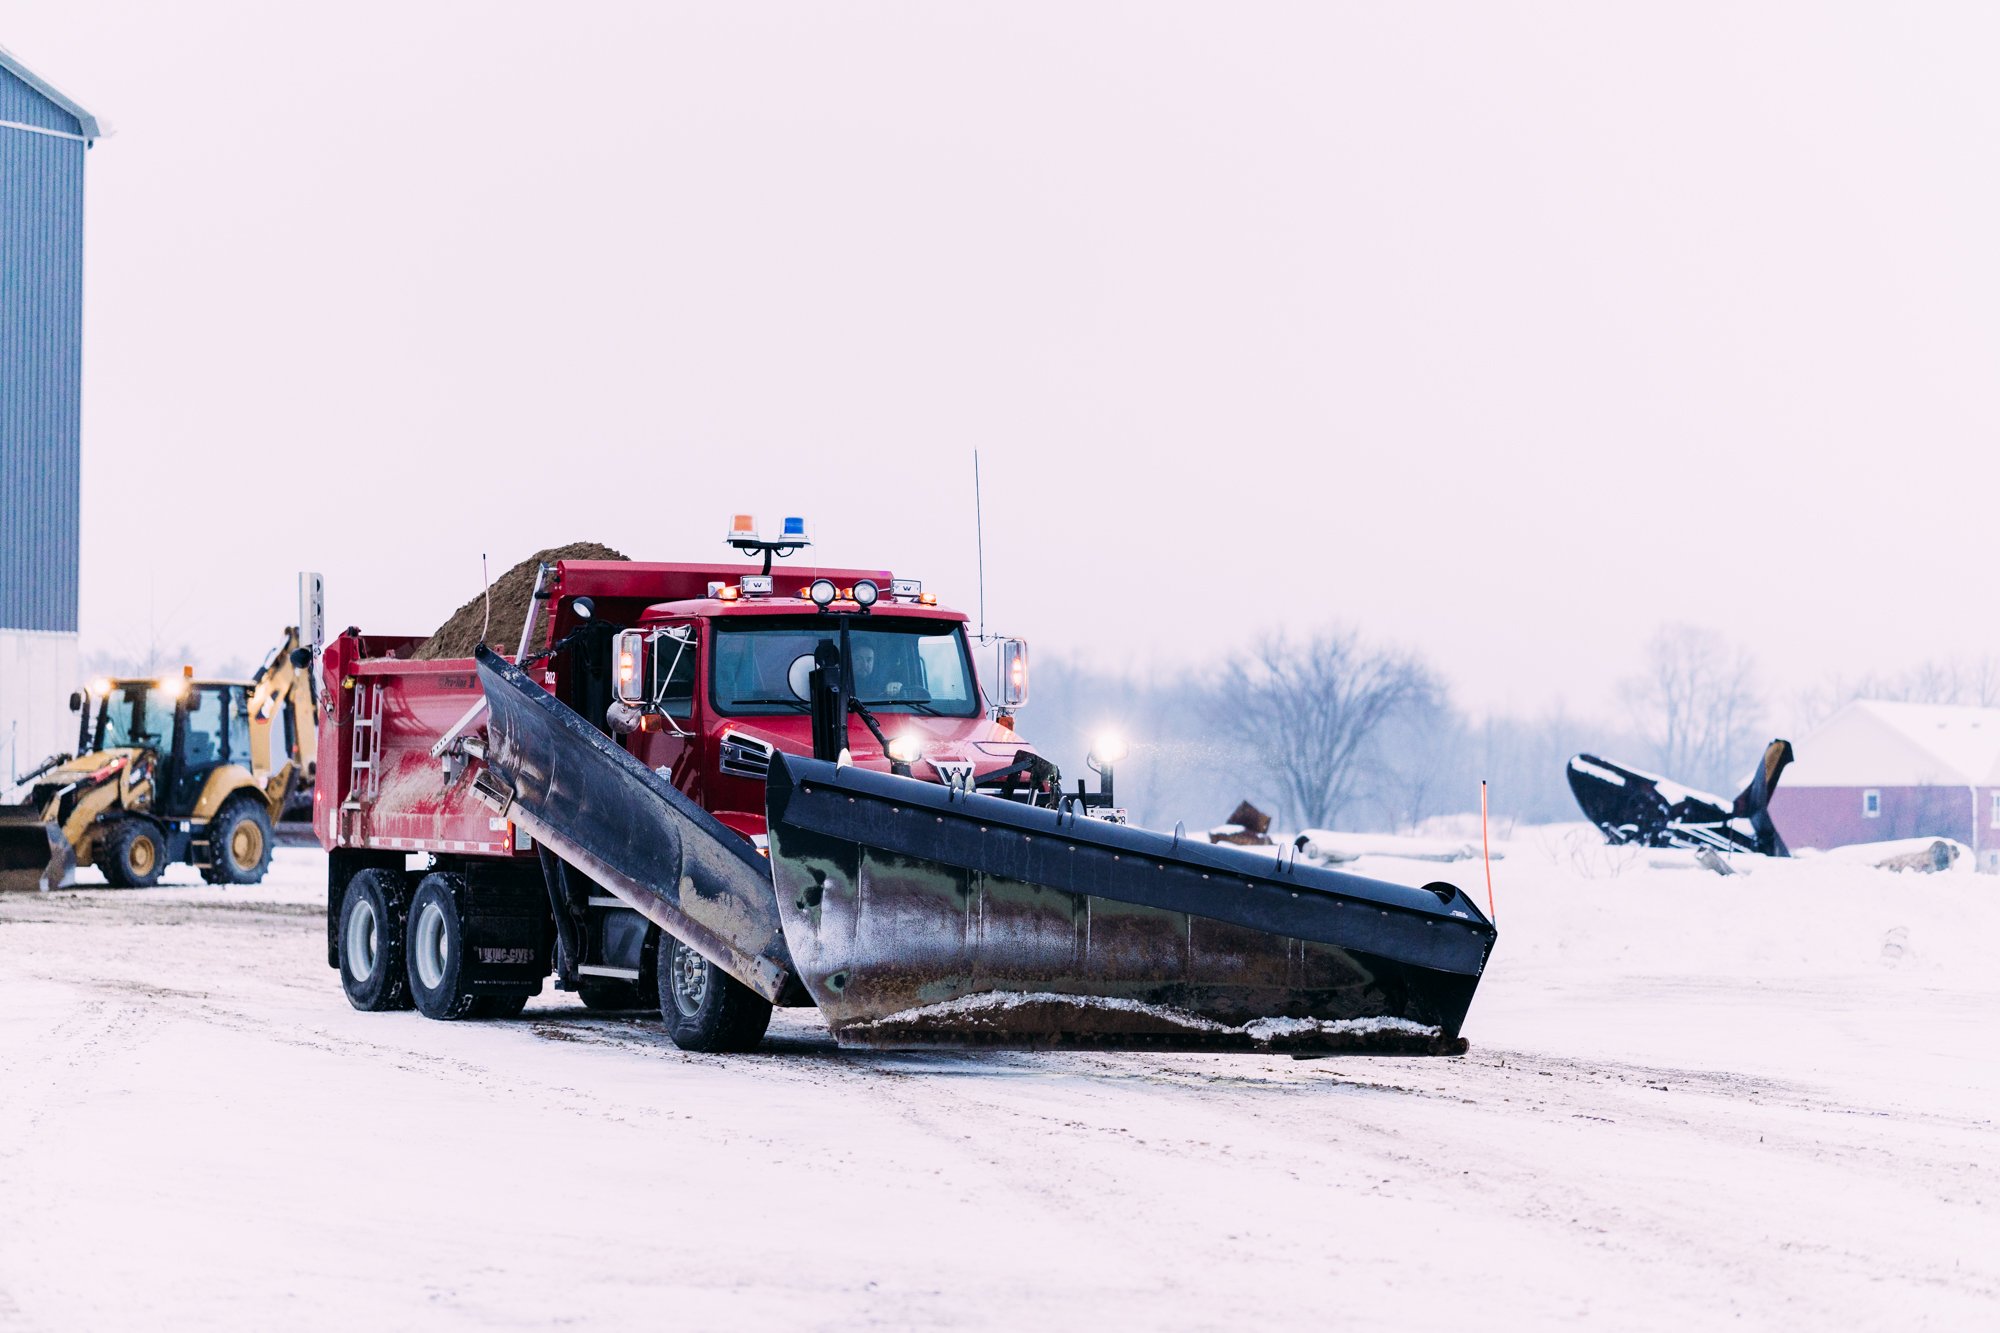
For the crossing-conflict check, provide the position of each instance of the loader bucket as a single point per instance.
(34, 854)
(921, 915)
(607, 814)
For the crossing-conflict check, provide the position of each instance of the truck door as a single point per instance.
(671, 668)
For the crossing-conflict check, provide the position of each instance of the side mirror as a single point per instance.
(1013, 673)
(76, 701)
(628, 650)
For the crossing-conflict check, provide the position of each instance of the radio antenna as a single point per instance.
(979, 534)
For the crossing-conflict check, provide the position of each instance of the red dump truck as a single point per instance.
(716, 788)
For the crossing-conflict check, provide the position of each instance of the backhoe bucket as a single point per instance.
(34, 854)
(920, 915)
(628, 828)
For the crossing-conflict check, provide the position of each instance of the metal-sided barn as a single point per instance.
(43, 138)
(1877, 770)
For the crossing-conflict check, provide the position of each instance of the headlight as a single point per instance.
(822, 593)
(865, 593)
(906, 748)
(1108, 748)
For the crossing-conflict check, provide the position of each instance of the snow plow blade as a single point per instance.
(607, 814)
(920, 916)
(34, 854)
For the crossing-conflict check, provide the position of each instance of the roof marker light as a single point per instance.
(728, 592)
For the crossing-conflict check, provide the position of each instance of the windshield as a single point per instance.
(124, 718)
(907, 666)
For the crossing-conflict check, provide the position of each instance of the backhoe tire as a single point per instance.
(239, 839)
(372, 911)
(132, 854)
(703, 1007)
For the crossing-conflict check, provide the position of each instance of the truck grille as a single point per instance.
(745, 756)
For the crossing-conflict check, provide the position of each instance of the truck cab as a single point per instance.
(705, 689)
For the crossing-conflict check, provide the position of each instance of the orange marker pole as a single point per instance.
(1486, 850)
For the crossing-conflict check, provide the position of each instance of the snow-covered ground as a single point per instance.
(1691, 1100)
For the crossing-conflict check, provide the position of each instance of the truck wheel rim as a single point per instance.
(690, 980)
(432, 946)
(246, 843)
(142, 856)
(361, 940)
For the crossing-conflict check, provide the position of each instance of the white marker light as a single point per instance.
(1108, 748)
(906, 748)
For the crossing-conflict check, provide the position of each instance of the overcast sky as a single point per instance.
(1505, 331)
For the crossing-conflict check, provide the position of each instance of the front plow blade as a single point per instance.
(628, 828)
(34, 854)
(922, 916)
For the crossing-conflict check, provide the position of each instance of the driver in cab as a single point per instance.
(868, 676)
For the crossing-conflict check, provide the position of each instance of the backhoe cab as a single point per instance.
(169, 769)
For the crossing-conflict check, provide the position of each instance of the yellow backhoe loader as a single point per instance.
(166, 770)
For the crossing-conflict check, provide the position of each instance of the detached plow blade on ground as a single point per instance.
(921, 916)
(33, 852)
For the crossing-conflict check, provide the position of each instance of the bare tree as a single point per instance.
(1698, 702)
(1312, 710)
(1974, 683)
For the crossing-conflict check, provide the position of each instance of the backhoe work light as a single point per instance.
(822, 592)
(866, 593)
(172, 687)
(1108, 748)
(100, 687)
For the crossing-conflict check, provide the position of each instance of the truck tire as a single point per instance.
(434, 951)
(132, 854)
(703, 1007)
(508, 1005)
(239, 840)
(372, 911)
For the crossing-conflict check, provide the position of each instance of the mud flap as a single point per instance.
(587, 800)
(34, 854)
(920, 915)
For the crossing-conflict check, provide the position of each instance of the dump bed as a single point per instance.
(379, 788)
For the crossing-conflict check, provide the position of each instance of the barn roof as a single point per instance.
(1881, 743)
(88, 125)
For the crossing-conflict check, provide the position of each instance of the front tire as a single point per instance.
(703, 1007)
(372, 912)
(239, 839)
(132, 855)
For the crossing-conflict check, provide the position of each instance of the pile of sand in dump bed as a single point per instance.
(511, 593)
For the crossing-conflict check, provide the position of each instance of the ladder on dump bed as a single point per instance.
(364, 773)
